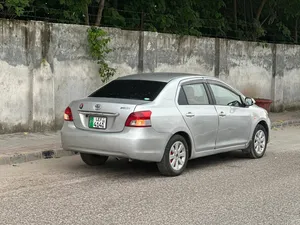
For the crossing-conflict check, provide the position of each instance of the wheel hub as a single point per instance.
(260, 142)
(177, 155)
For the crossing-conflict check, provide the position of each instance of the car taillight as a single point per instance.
(68, 114)
(139, 119)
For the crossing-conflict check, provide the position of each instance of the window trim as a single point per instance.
(203, 82)
(211, 82)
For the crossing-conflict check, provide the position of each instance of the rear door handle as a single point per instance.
(189, 114)
(222, 114)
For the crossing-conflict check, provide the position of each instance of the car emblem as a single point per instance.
(97, 107)
(81, 106)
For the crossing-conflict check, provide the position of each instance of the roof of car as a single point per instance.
(162, 77)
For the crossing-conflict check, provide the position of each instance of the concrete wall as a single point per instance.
(247, 66)
(170, 53)
(45, 66)
(290, 76)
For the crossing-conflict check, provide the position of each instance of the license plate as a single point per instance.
(97, 122)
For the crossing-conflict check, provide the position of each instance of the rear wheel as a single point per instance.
(258, 145)
(175, 157)
(93, 160)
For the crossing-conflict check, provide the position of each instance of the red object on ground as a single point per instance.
(264, 103)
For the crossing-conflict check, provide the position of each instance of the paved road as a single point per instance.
(214, 190)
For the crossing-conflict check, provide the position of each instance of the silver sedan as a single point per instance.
(167, 118)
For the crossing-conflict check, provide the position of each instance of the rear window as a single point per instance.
(130, 89)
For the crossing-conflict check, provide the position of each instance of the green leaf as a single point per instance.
(17, 6)
(98, 42)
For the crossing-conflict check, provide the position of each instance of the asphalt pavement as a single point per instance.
(222, 189)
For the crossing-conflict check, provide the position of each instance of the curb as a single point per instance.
(33, 156)
(282, 124)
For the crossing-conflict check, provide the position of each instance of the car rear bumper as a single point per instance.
(135, 143)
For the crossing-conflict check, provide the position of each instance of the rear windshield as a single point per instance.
(130, 89)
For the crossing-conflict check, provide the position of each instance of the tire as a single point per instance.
(260, 136)
(176, 151)
(93, 160)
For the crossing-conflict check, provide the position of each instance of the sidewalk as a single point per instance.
(26, 147)
(285, 116)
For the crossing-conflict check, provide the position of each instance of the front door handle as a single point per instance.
(222, 114)
(189, 114)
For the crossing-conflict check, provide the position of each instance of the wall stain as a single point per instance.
(7, 128)
(36, 126)
(45, 44)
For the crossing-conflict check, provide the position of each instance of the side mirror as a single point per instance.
(249, 101)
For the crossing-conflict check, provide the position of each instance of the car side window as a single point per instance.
(193, 94)
(224, 96)
(182, 98)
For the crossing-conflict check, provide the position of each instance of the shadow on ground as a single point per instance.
(137, 169)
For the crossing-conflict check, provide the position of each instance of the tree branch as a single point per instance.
(259, 11)
(100, 11)
(235, 13)
(265, 20)
(296, 30)
(87, 19)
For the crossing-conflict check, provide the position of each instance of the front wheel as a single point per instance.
(258, 145)
(175, 157)
(93, 160)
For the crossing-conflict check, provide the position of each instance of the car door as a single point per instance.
(234, 116)
(199, 114)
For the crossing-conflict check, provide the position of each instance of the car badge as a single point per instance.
(81, 106)
(97, 107)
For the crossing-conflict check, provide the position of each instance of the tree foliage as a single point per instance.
(98, 45)
(259, 20)
(16, 7)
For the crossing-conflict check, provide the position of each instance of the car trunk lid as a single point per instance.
(102, 114)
